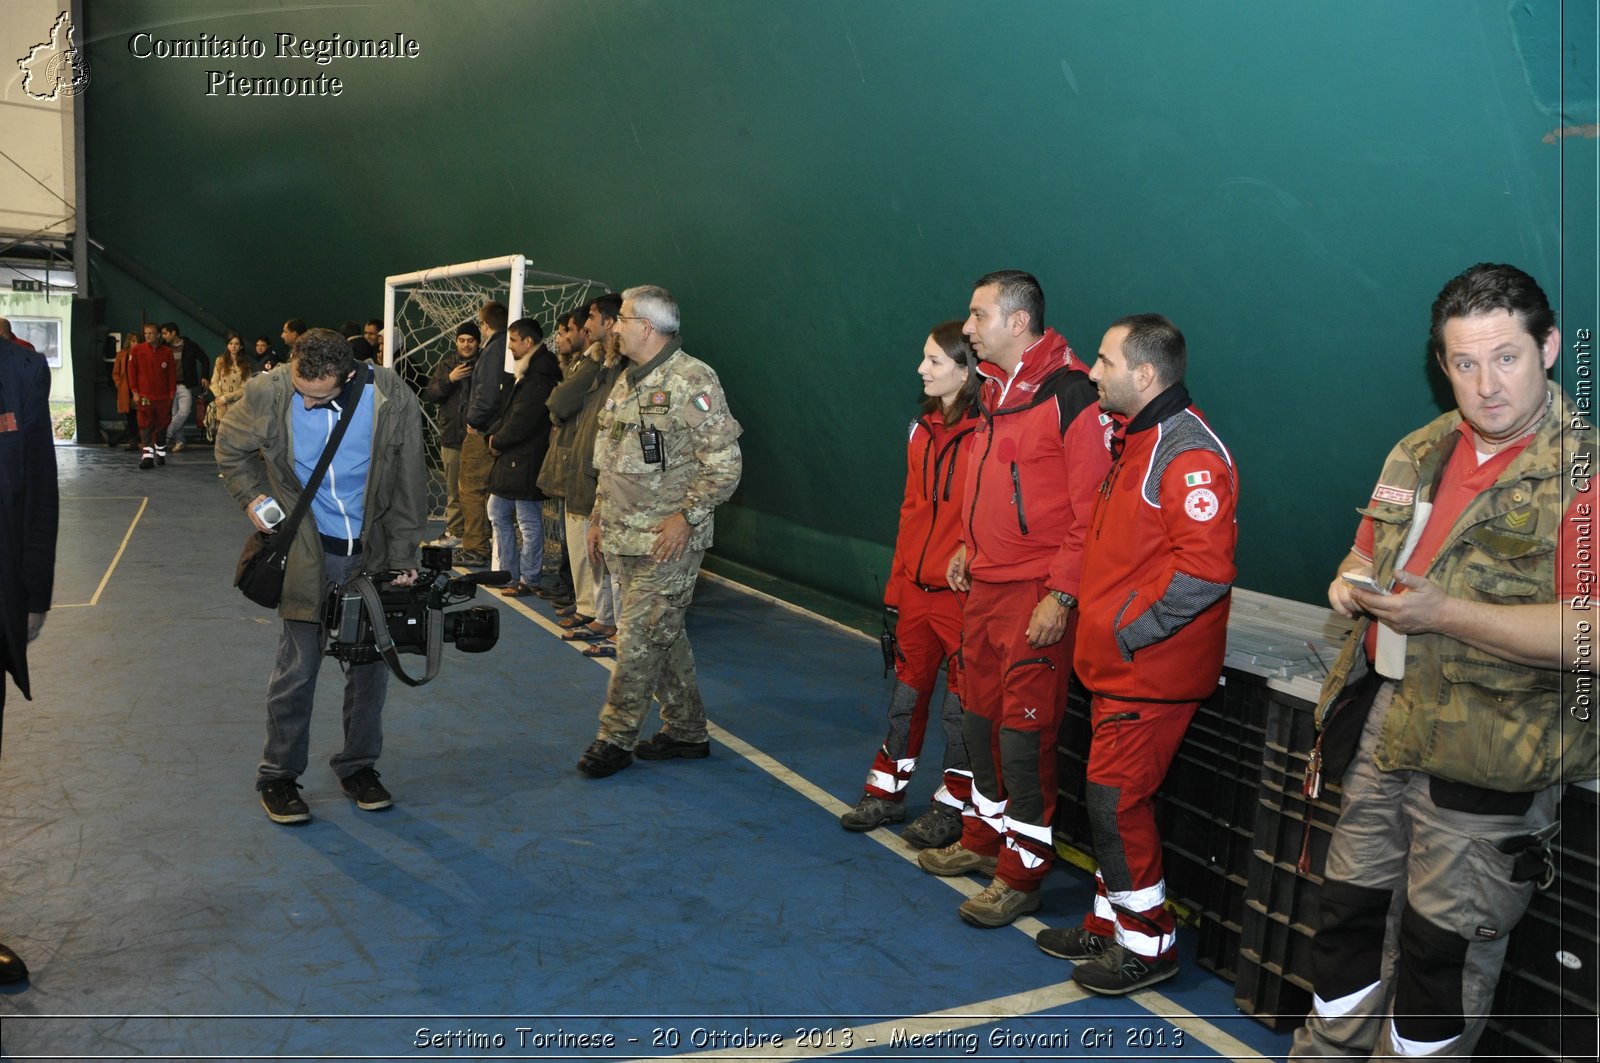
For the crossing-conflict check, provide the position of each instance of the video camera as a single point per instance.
(411, 618)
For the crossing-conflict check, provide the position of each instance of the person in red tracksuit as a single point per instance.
(1040, 453)
(152, 381)
(1157, 578)
(927, 631)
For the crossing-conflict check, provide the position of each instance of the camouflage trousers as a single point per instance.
(653, 656)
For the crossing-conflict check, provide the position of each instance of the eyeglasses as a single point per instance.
(632, 317)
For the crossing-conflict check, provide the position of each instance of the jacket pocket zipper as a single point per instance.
(1016, 487)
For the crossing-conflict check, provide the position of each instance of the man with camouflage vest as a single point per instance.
(667, 453)
(1460, 699)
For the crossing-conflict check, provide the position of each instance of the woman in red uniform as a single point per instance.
(928, 629)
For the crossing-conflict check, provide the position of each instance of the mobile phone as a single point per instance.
(1366, 583)
(270, 513)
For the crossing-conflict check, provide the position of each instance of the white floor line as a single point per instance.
(789, 607)
(982, 1013)
(94, 599)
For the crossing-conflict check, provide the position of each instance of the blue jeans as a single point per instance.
(293, 687)
(507, 516)
(182, 404)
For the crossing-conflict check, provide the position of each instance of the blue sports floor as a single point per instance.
(506, 907)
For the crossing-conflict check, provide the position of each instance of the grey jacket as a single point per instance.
(255, 454)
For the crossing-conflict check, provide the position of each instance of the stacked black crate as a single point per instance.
(1281, 903)
(1545, 1005)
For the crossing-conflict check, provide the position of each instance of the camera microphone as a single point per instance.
(498, 577)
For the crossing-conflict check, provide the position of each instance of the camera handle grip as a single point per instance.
(362, 585)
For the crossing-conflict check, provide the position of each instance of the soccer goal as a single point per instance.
(422, 310)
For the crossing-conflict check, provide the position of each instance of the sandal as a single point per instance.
(518, 589)
(575, 620)
(586, 634)
(600, 649)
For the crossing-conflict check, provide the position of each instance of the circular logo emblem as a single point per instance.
(68, 72)
(1201, 504)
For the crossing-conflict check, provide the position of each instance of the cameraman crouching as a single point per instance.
(367, 515)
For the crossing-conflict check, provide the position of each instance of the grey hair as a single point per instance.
(656, 305)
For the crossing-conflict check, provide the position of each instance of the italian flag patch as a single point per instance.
(702, 402)
(1197, 479)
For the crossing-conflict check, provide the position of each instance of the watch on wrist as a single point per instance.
(1065, 600)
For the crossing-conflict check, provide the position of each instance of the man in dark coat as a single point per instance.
(29, 507)
(518, 442)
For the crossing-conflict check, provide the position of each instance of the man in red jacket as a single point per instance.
(152, 381)
(1039, 456)
(1157, 577)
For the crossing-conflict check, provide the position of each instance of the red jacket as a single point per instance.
(1158, 565)
(152, 374)
(930, 513)
(1041, 452)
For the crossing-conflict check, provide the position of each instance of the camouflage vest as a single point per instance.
(1460, 713)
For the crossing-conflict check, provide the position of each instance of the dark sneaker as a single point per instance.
(662, 746)
(1120, 971)
(12, 970)
(147, 463)
(1075, 943)
(934, 829)
(470, 559)
(281, 799)
(955, 859)
(999, 905)
(364, 788)
(603, 758)
(872, 812)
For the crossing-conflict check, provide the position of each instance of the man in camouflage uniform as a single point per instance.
(1458, 700)
(667, 451)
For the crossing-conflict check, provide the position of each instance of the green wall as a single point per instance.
(819, 182)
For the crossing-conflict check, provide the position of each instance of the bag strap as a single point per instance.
(362, 585)
(346, 415)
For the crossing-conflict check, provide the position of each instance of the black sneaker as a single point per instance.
(664, 747)
(364, 788)
(934, 829)
(1119, 971)
(147, 463)
(871, 812)
(281, 799)
(603, 758)
(1077, 943)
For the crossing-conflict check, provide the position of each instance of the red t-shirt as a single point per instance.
(1463, 480)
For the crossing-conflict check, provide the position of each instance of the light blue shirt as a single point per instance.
(340, 503)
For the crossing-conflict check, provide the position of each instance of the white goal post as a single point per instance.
(423, 309)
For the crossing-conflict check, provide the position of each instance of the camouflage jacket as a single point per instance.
(1461, 713)
(682, 399)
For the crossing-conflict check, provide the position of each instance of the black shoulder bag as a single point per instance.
(259, 574)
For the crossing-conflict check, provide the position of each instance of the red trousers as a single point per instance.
(153, 420)
(1132, 748)
(1015, 697)
(929, 635)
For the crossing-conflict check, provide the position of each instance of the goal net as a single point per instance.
(422, 310)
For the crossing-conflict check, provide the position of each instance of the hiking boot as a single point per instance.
(998, 905)
(281, 799)
(449, 542)
(872, 812)
(603, 758)
(364, 788)
(470, 559)
(955, 859)
(1077, 943)
(662, 746)
(1119, 971)
(934, 829)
